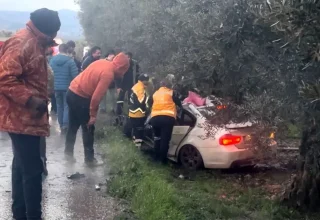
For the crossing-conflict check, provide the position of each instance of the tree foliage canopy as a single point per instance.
(263, 54)
(258, 52)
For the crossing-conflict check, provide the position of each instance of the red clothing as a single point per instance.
(23, 73)
(94, 81)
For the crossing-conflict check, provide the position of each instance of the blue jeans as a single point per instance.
(62, 108)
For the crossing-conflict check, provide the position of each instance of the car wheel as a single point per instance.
(190, 158)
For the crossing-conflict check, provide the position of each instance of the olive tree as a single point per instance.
(256, 52)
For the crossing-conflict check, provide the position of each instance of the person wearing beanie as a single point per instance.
(23, 107)
(138, 104)
(83, 98)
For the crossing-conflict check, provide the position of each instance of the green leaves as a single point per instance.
(236, 49)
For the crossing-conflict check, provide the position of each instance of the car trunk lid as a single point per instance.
(246, 131)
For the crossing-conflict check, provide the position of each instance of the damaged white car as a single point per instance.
(226, 146)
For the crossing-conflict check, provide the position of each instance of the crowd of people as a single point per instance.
(31, 77)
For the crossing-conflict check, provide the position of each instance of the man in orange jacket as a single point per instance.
(163, 118)
(84, 95)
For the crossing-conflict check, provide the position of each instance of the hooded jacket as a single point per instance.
(64, 71)
(23, 74)
(94, 81)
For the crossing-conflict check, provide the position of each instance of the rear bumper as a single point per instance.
(215, 159)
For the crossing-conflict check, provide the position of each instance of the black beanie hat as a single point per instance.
(143, 77)
(47, 21)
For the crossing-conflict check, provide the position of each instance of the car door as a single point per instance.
(179, 133)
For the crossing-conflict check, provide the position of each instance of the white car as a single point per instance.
(227, 146)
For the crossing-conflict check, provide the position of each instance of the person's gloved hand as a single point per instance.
(39, 106)
(92, 121)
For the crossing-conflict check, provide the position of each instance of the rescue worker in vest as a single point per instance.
(137, 108)
(163, 118)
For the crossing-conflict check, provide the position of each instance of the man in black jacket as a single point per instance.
(94, 55)
(125, 85)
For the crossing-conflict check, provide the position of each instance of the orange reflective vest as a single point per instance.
(138, 101)
(163, 103)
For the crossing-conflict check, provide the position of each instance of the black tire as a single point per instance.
(190, 158)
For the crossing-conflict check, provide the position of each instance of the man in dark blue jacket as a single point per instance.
(64, 70)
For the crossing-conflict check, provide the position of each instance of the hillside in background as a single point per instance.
(15, 20)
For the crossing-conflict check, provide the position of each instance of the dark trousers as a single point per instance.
(43, 148)
(138, 129)
(79, 115)
(120, 100)
(162, 128)
(27, 169)
(53, 103)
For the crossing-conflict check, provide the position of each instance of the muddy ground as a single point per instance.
(63, 199)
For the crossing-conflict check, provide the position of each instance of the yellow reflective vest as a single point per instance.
(138, 101)
(163, 103)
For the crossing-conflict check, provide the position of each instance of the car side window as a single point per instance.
(187, 120)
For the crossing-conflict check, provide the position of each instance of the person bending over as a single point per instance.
(163, 117)
(83, 97)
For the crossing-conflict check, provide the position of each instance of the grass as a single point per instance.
(155, 192)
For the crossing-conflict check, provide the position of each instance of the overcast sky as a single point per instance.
(31, 5)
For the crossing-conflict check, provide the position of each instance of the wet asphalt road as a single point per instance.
(63, 199)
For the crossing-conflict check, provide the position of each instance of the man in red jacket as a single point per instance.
(23, 107)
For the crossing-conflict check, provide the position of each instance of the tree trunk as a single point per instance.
(304, 190)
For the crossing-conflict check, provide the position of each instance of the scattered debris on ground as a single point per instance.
(76, 176)
(97, 187)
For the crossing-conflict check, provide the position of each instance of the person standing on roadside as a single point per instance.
(23, 107)
(163, 117)
(103, 105)
(125, 85)
(83, 97)
(72, 53)
(71, 47)
(64, 70)
(52, 96)
(94, 55)
(78, 63)
(43, 143)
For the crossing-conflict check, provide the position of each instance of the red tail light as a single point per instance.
(229, 139)
(219, 107)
